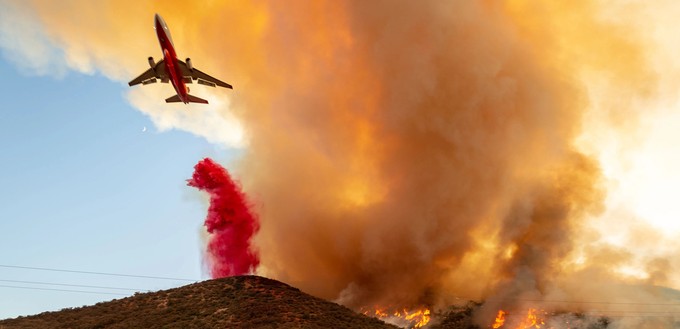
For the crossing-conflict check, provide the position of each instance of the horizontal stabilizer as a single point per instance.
(194, 99)
(190, 98)
(173, 99)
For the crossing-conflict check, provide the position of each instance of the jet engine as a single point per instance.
(191, 67)
(152, 63)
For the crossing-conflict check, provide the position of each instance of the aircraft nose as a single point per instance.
(156, 19)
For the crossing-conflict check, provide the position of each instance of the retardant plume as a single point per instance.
(230, 221)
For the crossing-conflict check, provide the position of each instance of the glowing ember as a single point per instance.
(500, 319)
(411, 319)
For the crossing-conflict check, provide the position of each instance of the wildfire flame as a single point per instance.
(532, 320)
(412, 318)
(500, 320)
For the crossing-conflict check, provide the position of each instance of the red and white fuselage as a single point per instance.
(170, 58)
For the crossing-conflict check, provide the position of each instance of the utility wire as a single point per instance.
(602, 315)
(96, 273)
(523, 314)
(73, 285)
(65, 290)
(586, 302)
(192, 280)
(573, 302)
(631, 314)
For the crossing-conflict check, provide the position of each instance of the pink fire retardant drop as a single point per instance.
(230, 221)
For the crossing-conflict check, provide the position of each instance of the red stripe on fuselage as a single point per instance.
(171, 65)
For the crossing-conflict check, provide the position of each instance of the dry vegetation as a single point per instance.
(236, 302)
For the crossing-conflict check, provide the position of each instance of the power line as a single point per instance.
(571, 301)
(522, 313)
(621, 314)
(96, 273)
(65, 290)
(581, 302)
(191, 280)
(73, 285)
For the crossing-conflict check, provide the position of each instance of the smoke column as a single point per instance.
(230, 221)
(430, 146)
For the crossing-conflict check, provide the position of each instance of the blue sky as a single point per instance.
(84, 187)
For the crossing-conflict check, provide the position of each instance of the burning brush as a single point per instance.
(534, 319)
(415, 318)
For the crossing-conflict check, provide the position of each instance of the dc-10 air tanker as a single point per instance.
(174, 70)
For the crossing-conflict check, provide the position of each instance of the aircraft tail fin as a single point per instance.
(190, 98)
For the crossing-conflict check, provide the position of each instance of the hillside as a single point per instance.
(235, 302)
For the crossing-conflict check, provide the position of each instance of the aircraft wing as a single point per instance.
(201, 77)
(150, 75)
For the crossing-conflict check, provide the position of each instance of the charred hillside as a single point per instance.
(235, 302)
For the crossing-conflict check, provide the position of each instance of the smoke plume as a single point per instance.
(415, 153)
(435, 153)
(230, 221)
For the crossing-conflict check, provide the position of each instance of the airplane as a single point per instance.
(174, 70)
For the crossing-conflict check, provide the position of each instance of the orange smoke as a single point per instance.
(404, 134)
(400, 152)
